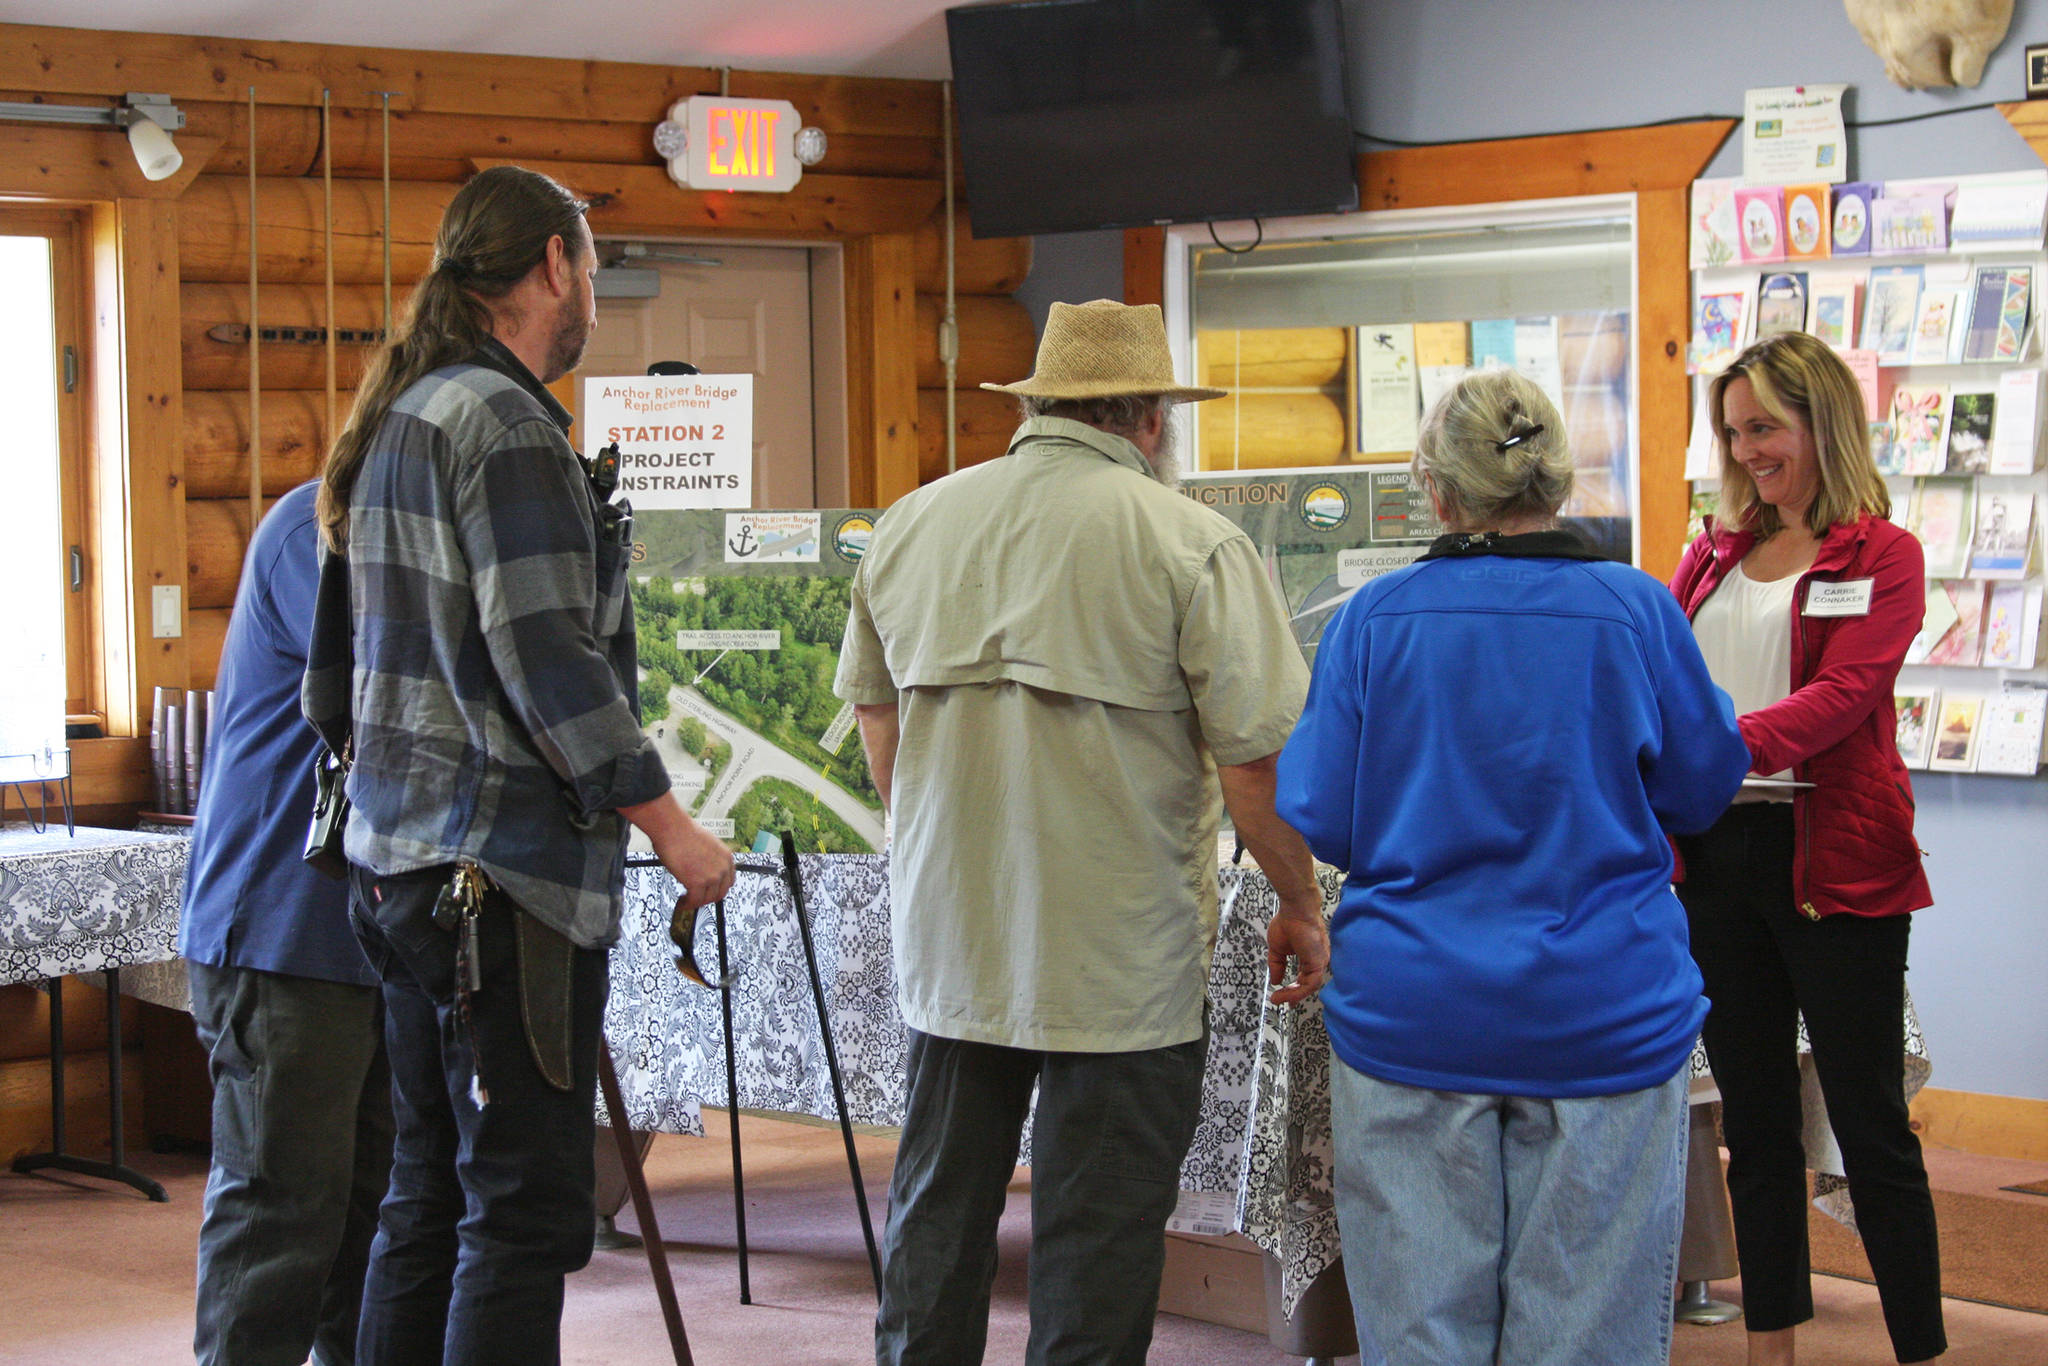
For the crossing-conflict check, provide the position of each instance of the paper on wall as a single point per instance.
(1536, 356)
(1793, 134)
(2018, 422)
(1387, 393)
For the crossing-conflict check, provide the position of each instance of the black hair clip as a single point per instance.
(1518, 438)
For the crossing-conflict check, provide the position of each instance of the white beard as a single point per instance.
(1165, 461)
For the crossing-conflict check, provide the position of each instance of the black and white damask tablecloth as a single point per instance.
(668, 1043)
(1286, 1197)
(83, 902)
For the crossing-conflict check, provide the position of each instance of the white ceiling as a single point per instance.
(832, 37)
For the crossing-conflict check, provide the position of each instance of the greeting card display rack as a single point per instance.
(1937, 306)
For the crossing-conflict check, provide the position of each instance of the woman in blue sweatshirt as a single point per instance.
(1497, 740)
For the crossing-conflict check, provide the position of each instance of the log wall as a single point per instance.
(448, 114)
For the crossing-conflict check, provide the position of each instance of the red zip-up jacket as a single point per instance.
(1853, 850)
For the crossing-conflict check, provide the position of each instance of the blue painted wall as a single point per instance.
(1430, 70)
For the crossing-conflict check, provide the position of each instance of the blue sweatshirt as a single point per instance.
(1494, 748)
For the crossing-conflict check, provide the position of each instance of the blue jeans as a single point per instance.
(1111, 1132)
(490, 1207)
(1483, 1228)
(301, 1154)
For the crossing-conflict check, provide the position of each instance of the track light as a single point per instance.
(155, 153)
(149, 119)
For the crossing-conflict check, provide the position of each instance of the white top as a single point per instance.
(1744, 630)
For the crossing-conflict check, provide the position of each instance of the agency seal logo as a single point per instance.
(1325, 507)
(850, 538)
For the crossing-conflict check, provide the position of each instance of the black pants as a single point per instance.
(1765, 965)
(301, 1154)
(490, 1205)
(1111, 1132)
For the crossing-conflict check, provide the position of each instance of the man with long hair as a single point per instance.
(473, 656)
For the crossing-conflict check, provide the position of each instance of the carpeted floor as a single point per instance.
(97, 1275)
(1994, 1243)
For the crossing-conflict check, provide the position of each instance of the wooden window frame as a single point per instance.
(1658, 165)
(71, 306)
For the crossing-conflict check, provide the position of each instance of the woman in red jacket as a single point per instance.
(1804, 599)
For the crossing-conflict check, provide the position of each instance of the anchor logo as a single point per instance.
(744, 543)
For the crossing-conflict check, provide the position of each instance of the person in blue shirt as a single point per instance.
(286, 1004)
(1497, 740)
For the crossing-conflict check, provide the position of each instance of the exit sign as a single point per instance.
(737, 144)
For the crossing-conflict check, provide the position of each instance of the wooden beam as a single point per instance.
(2029, 118)
(151, 408)
(1664, 392)
(881, 369)
(42, 161)
(1561, 166)
(111, 772)
(72, 61)
(428, 146)
(214, 226)
(1145, 266)
(628, 200)
(1976, 1122)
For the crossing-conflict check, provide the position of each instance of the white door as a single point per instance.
(750, 314)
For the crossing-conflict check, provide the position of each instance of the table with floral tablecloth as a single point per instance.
(73, 903)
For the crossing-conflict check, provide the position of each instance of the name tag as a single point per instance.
(1849, 598)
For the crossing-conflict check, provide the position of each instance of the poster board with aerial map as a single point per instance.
(739, 615)
(1325, 535)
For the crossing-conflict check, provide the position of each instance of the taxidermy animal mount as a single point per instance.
(1931, 42)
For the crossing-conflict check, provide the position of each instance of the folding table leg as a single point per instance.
(59, 1160)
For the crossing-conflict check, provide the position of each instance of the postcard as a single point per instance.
(1915, 710)
(2012, 626)
(1955, 735)
(1970, 423)
(1713, 223)
(1890, 308)
(1850, 230)
(1919, 419)
(2009, 731)
(2001, 545)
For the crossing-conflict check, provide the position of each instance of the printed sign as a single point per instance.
(1793, 134)
(737, 144)
(1357, 568)
(685, 441)
(771, 537)
(728, 640)
(1400, 509)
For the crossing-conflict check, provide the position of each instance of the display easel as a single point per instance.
(791, 873)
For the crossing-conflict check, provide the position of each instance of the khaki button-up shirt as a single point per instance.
(1073, 647)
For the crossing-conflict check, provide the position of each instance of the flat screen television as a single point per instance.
(1078, 114)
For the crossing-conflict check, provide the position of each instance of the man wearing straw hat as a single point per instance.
(1054, 658)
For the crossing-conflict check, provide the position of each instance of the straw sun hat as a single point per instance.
(1104, 349)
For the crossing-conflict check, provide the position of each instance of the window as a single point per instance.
(47, 670)
(1337, 333)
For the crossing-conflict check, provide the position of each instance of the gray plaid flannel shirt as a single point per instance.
(493, 693)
